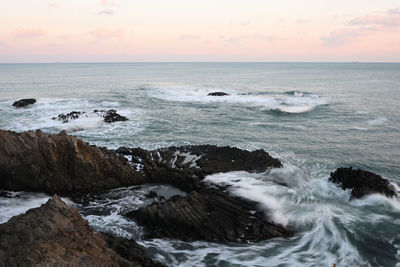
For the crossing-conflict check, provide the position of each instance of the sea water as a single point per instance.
(314, 117)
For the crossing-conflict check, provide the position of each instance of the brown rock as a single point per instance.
(59, 163)
(56, 234)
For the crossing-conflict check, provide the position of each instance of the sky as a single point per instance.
(199, 30)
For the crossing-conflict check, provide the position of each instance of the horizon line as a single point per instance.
(130, 62)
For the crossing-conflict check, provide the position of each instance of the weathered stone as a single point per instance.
(33, 161)
(56, 234)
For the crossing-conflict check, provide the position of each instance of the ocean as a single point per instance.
(314, 117)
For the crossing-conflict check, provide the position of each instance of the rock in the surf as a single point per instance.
(185, 166)
(55, 234)
(362, 182)
(73, 115)
(209, 215)
(110, 115)
(218, 94)
(24, 102)
(60, 163)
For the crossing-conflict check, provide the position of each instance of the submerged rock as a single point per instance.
(56, 234)
(110, 115)
(24, 102)
(184, 167)
(59, 163)
(362, 182)
(217, 94)
(73, 115)
(208, 215)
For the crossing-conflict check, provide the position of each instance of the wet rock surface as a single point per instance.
(110, 115)
(362, 182)
(209, 214)
(56, 234)
(184, 167)
(24, 102)
(59, 163)
(73, 115)
(218, 94)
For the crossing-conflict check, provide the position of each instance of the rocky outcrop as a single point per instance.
(59, 163)
(218, 94)
(56, 234)
(209, 215)
(184, 167)
(362, 182)
(24, 102)
(73, 115)
(110, 115)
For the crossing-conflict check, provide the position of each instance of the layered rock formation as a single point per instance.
(210, 215)
(362, 182)
(60, 163)
(184, 167)
(24, 102)
(56, 234)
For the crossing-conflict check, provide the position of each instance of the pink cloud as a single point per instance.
(2, 43)
(54, 6)
(106, 11)
(106, 33)
(108, 3)
(341, 37)
(28, 33)
(266, 37)
(390, 20)
(189, 36)
(394, 11)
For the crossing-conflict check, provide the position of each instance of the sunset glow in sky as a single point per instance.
(199, 30)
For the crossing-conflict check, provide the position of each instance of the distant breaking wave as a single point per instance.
(292, 102)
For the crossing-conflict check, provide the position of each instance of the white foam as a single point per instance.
(288, 103)
(188, 158)
(375, 200)
(377, 121)
(294, 109)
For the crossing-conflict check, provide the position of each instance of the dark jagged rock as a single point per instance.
(218, 94)
(209, 215)
(59, 163)
(184, 167)
(55, 234)
(24, 102)
(130, 250)
(362, 182)
(73, 115)
(110, 115)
